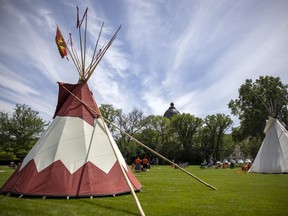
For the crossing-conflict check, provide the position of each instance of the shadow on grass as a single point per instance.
(85, 201)
(112, 208)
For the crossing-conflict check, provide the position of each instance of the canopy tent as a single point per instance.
(272, 156)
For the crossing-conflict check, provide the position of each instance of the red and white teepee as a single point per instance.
(75, 156)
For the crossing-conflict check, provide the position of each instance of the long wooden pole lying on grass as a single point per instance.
(161, 156)
(141, 144)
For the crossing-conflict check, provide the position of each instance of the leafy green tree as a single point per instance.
(132, 123)
(20, 131)
(110, 113)
(7, 156)
(256, 100)
(185, 128)
(5, 140)
(228, 146)
(155, 133)
(213, 132)
(250, 146)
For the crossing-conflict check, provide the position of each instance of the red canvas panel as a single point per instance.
(56, 180)
(69, 105)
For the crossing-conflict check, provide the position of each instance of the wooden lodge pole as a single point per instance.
(122, 170)
(161, 156)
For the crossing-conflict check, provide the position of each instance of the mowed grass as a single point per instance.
(170, 192)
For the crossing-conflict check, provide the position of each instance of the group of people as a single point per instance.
(180, 164)
(141, 164)
(210, 164)
(246, 166)
(216, 165)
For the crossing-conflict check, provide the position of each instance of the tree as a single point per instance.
(228, 146)
(20, 131)
(266, 96)
(185, 128)
(4, 130)
(155, 133)
(132, 124)
(250, 146)
(110, 113)
(214, 131)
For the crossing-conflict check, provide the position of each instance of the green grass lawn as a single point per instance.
(171, 192)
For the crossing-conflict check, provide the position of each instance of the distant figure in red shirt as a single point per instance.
(145, 162)
(138, 164)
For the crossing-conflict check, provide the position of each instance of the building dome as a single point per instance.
(171, 111)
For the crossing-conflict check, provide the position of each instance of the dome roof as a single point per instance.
(171, 111)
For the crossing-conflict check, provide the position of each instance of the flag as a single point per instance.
(61, 44)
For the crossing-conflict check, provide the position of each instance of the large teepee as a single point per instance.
(76, 156)
(272, 156)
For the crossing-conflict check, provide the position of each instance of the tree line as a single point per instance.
(183, 138)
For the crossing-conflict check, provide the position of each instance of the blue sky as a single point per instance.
(195, 53)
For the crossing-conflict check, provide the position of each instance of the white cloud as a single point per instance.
(193, 53)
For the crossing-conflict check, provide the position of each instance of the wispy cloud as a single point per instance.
(194, 53)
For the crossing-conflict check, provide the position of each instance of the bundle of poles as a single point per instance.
(98, 53)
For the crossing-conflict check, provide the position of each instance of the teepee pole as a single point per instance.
(94, 57)
(74, 59)
(101, 53)
(115, 153)
(141, 144)
(161, 156)
(85, 37)
(122, 170)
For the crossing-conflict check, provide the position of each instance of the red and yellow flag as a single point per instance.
(61, 44)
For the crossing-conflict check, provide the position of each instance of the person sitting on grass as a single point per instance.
(246, 167)
(211, 163)
(202, 166)
(145, 162)
(138, 164)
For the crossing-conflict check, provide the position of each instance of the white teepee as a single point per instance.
(272, 156)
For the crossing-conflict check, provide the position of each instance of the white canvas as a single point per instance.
(74, 142)
(272, 156)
